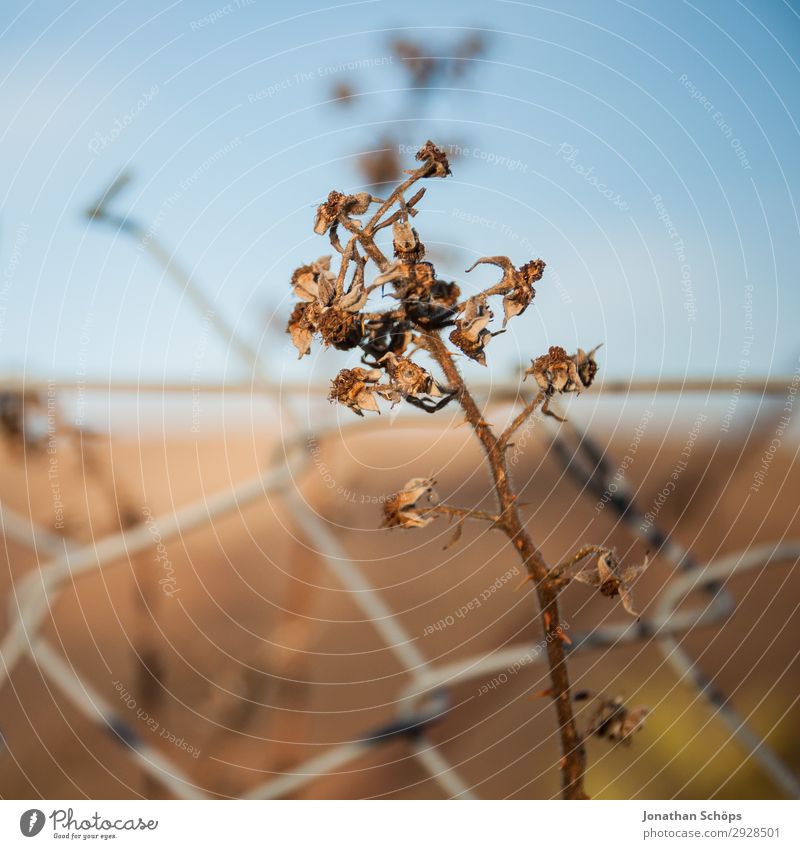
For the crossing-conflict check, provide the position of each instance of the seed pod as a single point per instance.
(407, 246)
(357, 388)
(586, 365)
(612, 579)
(408, 378)
(344, 330)
(471, 334)
(555, 372)
(403, 509)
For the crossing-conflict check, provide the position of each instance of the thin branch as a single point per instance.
(402, 213)
(579, 555)
(347, 255)
(400, 190)
(573, 753)
(366, 241)
(520, 419)
(462, 512)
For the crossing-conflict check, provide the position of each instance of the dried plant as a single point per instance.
(426, 69)
(611, 719)
(429, 68)
(425, 314)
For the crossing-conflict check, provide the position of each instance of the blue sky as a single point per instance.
(646, 150)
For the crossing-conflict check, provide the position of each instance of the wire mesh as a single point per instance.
(424, 698)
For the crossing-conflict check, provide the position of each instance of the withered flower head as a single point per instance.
(356, 388)
(555, 372)
(328, 212)
(516, 302)
(428, 302)
(386, 334)
(302, 326)
(407, 246)
(516, 285)
(433, 303)
(436, 159)
(412, 281)
(586, 365)
(405, 508)
(471, 334)
(314, 282)
(408, 378)
(612, 579)
(339, 204)
(340, 328)
(615, 722)
(445, 294)
(532, 271)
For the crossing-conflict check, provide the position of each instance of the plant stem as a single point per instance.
(462, 512)
(573, 762)
(520, 419)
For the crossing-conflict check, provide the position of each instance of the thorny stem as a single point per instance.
(582, 552)
(462, 512)
(520, 419)
(555, 577)
(573, 761)
(573, 753)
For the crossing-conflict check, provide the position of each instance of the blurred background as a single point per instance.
(161, 167)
